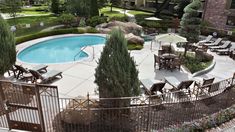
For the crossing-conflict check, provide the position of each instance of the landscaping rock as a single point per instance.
(126, 27)
(132, 39)
(203, 56)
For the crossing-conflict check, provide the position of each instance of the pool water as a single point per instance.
(59, 50)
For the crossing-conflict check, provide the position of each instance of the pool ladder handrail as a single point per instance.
(83, 48)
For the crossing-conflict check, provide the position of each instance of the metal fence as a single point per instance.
(128, 114)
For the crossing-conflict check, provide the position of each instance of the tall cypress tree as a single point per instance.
(116, 74)
(190, 23)
(7, 47)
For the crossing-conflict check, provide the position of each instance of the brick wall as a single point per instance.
(214, 12)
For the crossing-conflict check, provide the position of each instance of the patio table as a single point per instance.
(167, 58)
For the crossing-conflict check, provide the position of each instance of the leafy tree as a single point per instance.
(67, 19)
(114, 3)
(190, 23)
(55, 6)
(7, 44)
(101, 3)
(11, 7)
(180, 7)
(79, 7)
(94, 11)
(159, 8)
(116, 74)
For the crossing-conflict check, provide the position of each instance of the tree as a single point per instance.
(94, 11)
(55, 6)
(7, 44)
(180, 7)
(101, 3)
(114, 3)
(116, 74)
(159, 8)
(11, 7)
(190, 23)
(79, 7)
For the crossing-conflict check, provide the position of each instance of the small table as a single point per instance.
(167, 58)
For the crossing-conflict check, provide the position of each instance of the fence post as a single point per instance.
(148, 120)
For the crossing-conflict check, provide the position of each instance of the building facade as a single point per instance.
(220, 13)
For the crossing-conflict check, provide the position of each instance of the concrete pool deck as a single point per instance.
(78, 77)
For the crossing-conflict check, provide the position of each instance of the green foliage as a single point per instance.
(190, 23)
(195, 65)
(96, 20)
(79, 7)
(116, 74)
(135, 46)
(7, 50)
(82, 22)
(180, 7)
(66, 19)
(94, 11)
(11, 7)
(54, 32)
(121, 18)
(55, 6)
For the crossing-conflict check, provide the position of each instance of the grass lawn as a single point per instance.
(106, 11)
(134, 12)
(34, 13)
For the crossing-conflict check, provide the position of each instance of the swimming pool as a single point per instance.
(59, 50)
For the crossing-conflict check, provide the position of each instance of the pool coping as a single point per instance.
(22, 46)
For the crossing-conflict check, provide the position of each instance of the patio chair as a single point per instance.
(175, 64)
(207, 40)
(205, 86)
(157, 59)
(13, 71)
(216, 43)
(226, 45)
(22, 71)
(44, 78)
(157, 87)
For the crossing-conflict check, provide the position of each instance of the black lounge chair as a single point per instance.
(23, 71)
(226, 45)
(47, 77)
(152, 88)
(216, 43)
(205, 86)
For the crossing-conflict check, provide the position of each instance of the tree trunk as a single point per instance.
(111, 7)
(185, 49)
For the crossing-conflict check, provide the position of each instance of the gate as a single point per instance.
(28, 107)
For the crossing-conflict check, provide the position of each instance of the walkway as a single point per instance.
(131, 17)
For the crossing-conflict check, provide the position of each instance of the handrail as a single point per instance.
(83, 48)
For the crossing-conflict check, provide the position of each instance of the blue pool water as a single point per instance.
(59, 50)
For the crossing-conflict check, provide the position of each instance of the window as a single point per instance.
(231, 21)
(232, 4)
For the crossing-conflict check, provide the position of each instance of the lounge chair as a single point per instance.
(207, 40)
(225, 51)
(21, 70)
(177, 85)
(226, 45)
(216, 43)
(44, 78)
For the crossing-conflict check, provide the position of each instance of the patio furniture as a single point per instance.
(207, 40)
(167, 60)
(22, 72)
(158, 60)
(205, 86)
(177, 85)
(216, 43)
(232, 54)
(227, 51)
(175, 64)
(13, 71)
(49, 76)
(152, 88)
(226, 45)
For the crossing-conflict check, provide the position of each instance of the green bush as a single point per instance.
(96, 20)
(119, 18)
(55, 32)
(135, 46)
(67, 19)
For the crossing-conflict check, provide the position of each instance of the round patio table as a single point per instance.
(167, 58)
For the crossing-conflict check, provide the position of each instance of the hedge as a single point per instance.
(55, 32)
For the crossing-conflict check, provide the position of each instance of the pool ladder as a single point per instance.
(83, 48)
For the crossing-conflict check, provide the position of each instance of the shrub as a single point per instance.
(54, 32)
(119, 18)
(82, 22)
(67, 19)
(96, 20)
